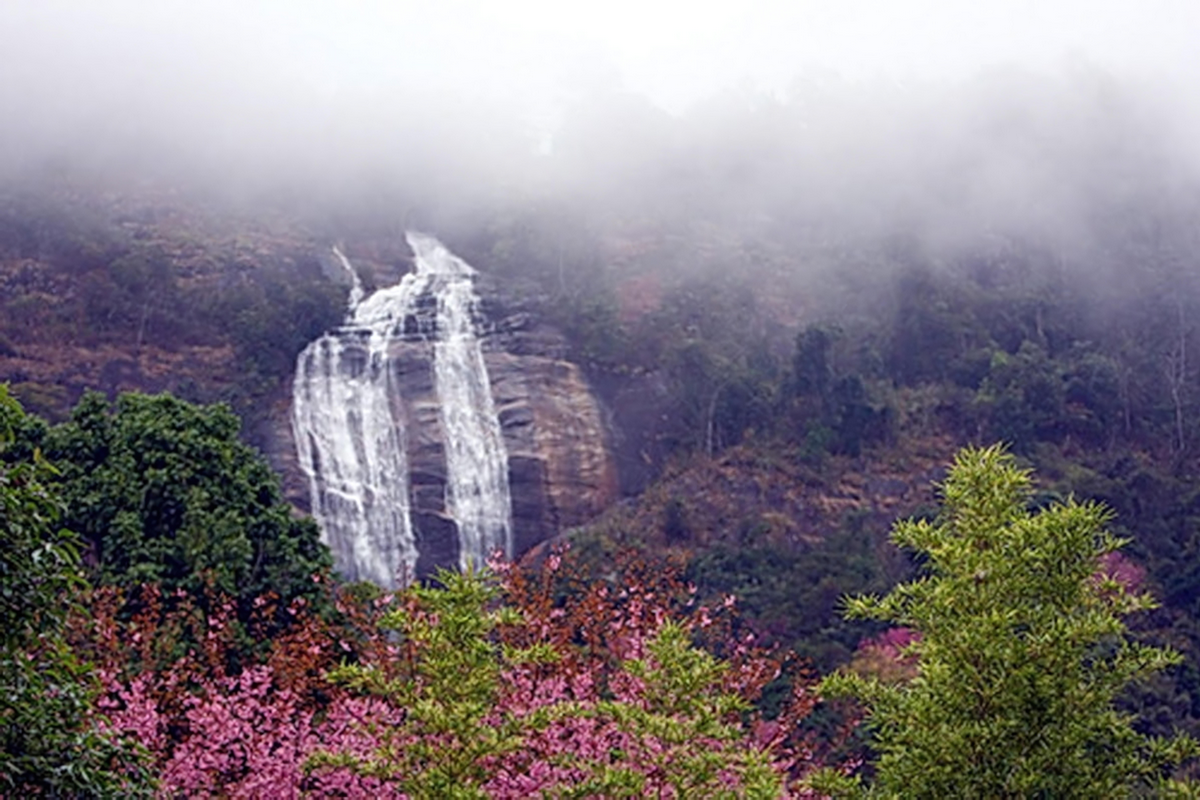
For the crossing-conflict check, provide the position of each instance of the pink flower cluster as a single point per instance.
(244, 737)
(280, 729)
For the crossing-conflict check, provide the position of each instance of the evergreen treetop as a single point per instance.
(1021, 652)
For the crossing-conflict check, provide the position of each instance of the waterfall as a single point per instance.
(477, 494)
(349, 430)
(356, 288)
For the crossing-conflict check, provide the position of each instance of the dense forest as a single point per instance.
(796, 312)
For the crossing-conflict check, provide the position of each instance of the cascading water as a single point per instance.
(351, 442)
(477, 494)
(356, 289)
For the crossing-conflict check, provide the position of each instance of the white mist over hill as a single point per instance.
(288, 86)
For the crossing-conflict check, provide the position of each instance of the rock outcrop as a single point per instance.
(561, 472)
(561, 468)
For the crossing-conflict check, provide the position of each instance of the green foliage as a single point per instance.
(48, 743)
(831, 413)
(1022, 653)
(687, 706)
(144, 285)
(272, 317)
(450, 684)
(591, 324)
(459, 721)
(811, 371)
(1158, 508)
(792, 594)
(136, 294)
(927, 330)
(163, 492)
(856, 419)
(1023, 397)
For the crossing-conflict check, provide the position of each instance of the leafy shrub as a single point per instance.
(163, 492)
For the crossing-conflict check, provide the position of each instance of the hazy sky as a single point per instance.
(537, 50)
(73, 72)
(451, 104)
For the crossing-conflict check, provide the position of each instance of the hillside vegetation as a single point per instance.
(162, 679)
(794, 319)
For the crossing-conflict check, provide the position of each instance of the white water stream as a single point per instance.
(350, 438)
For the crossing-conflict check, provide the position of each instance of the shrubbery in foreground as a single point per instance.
(489, 685)
(48, 746)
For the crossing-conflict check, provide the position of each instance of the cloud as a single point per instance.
(634, 93)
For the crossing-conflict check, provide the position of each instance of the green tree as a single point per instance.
(272, 316)
(162, 491)
(448, 691)
(49, 745)
(1022, 651)
(929, 328)
(669, 718)
(810, 363)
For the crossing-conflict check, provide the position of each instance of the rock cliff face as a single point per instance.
(561, 458)
(561, 471)
(560, 465)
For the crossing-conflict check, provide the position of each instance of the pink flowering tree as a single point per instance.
(519, 700)
(505, 684)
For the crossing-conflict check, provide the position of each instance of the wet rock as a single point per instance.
(561, 469)
(437, 542)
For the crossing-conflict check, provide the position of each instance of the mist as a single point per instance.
(815, 122)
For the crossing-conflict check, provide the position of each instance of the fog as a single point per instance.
(867, 115)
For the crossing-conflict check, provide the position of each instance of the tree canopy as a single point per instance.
(48, 745)
(1021, 652)
(162, 491)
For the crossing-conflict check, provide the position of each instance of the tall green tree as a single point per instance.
(1022, 651)
(49, 744)
(162, 491)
